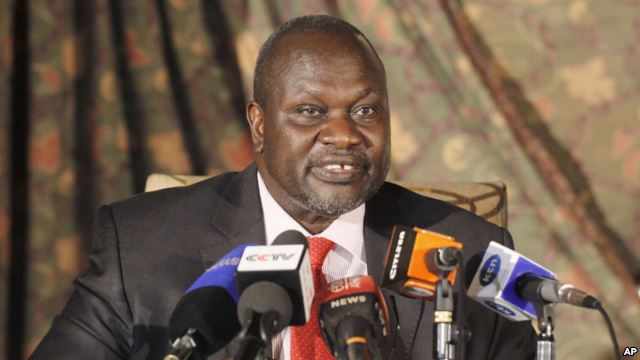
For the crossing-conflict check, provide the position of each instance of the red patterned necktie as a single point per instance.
(306, 340)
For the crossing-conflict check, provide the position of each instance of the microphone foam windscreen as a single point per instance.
(290, 237)
(354, 296)
(263, 297)
(210, 311)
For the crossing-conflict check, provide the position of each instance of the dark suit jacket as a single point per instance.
(147, 250)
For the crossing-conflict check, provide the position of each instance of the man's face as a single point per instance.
(323, 139)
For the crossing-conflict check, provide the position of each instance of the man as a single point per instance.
(320, 128)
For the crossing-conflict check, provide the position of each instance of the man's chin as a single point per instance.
(332, 208)
(332, 204)
(334, 199)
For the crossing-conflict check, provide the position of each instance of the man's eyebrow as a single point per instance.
(304, 92)
(310, 90)
(370, 90)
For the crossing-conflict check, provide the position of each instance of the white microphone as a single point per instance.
(276, 287)
(287, 265)
(512, 285)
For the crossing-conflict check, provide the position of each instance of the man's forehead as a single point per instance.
(318, 88)
(311, 50)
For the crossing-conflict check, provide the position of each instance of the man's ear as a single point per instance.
(255, 117)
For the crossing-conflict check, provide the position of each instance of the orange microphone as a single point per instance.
(415, 260)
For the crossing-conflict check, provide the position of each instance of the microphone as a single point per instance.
(204, 318)
(512, 285)
(287, 265)
(415, 260)
(353, 317)
(277, 290)
(264, 309)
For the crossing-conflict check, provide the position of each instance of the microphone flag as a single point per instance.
(409, 269)
(495, 283)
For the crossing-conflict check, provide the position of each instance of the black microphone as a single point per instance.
(265, 308)
(286, 263)
(277, 290)
(204, 319)
(353, 317)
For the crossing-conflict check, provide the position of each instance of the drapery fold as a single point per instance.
(19, 130)
(562, 174)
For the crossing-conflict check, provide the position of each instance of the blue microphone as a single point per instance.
(222, 273)
(204, 320)
(512, 285)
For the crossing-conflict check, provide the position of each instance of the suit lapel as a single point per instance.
(383, 212)
(237, 219)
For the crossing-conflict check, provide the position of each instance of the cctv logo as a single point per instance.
(267, 258)
(348, 300)
(396, 256)
(270, 257)
(630, 351)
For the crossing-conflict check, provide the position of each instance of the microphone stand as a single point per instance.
(445, 344)
(546, 347)
(255, 337)
(448, 335)
(184, 346)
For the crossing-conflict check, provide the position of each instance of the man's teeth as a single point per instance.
(338, 167)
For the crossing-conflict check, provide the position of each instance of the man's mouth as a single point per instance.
(340, 170)
(338, 167)
(337, 173)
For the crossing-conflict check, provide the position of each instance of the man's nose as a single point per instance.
(340, 130)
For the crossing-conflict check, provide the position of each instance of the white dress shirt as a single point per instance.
(347, 259)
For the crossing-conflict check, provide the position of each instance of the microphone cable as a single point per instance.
(394, 306)
(415, 334)
(612, 332)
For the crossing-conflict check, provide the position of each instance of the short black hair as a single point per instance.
(308, 24)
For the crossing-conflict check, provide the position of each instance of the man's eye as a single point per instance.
(365, 111)
(310, 111)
